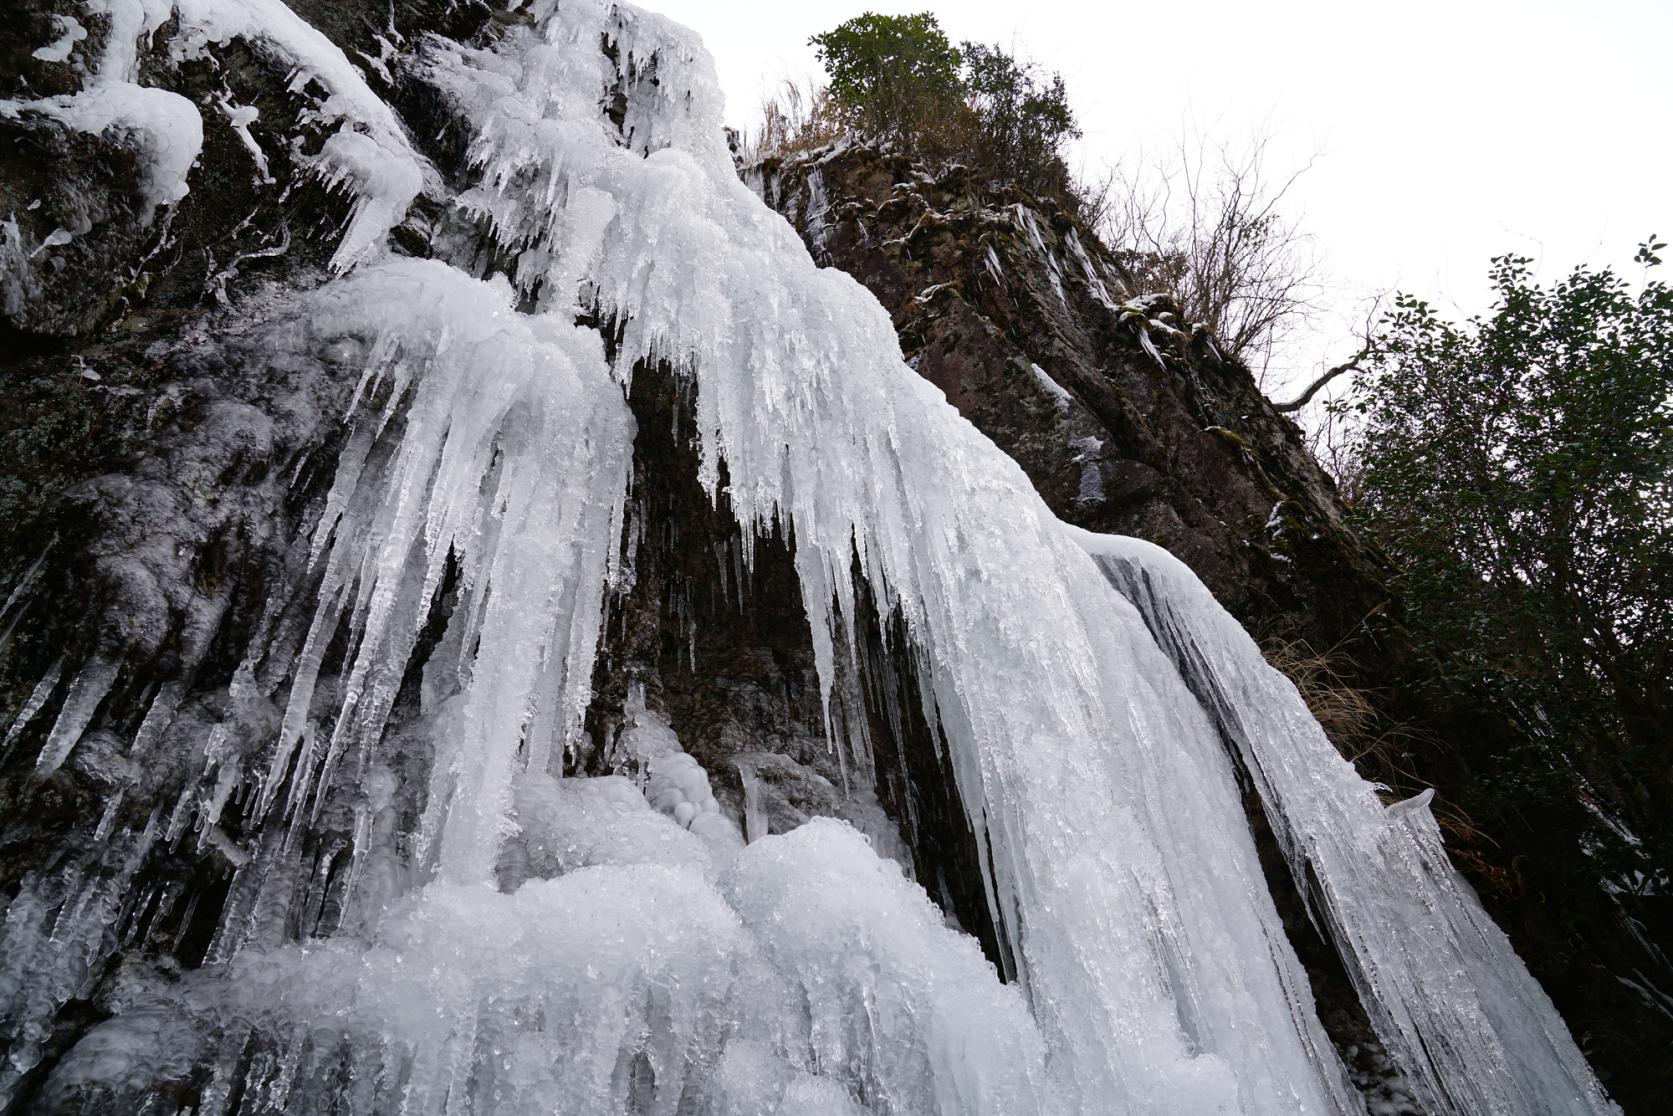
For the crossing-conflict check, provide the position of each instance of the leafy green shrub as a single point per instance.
(1519, 468)
(1023, 120)
(899, 77)
(891, 75)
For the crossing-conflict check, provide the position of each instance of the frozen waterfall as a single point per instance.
(499, 934)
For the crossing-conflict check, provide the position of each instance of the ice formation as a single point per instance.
(1439, 978)
(498, 937)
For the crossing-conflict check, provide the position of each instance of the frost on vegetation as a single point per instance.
(480, 933)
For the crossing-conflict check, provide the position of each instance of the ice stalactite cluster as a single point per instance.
(474, 928)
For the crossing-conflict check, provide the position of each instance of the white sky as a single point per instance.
(1448, 132)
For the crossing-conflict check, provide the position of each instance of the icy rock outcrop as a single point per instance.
(105, 112)
(431, 909)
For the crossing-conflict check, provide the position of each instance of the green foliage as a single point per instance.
(899, 77)
(1024, 120)
(1520, 469)
(890, 75)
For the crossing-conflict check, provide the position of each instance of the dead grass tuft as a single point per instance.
(1350, 718)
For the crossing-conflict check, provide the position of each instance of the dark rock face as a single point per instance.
(1126, 420)
(1130, 421)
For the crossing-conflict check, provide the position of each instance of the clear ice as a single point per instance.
(525, 942)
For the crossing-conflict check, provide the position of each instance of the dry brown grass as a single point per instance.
(1344, 711)
(1351, 719)
(798, 117)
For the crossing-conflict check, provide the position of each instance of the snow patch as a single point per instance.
(70, 32)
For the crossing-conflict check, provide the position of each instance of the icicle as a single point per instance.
(755, 819)
(87, 691)
(36, 701)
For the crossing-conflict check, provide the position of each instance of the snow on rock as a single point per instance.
(369, 154)
(382, 184)
(1059, 394)
(164, 127)
(70, 32)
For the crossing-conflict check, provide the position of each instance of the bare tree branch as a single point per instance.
(1350, 365)
(1207, 225)
(1369, 345)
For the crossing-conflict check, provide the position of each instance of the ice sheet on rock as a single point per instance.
(53, 936)
(1472, 1031)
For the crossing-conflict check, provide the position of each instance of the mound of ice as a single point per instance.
(816, 979)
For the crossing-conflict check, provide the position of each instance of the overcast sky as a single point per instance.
(1446, 132)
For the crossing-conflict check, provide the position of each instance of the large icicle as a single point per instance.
(1472, 1030)
(509, 457)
